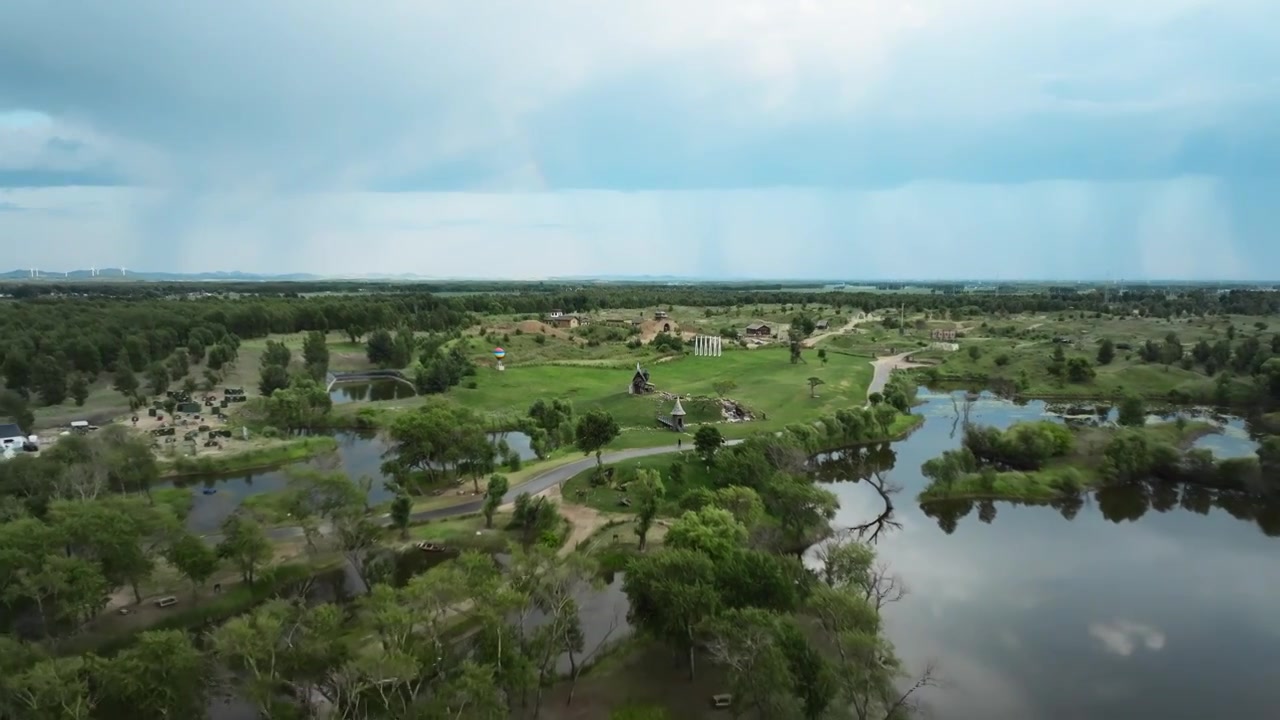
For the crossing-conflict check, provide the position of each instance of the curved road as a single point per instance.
(533, 486)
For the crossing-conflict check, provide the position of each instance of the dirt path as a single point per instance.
(884, 367)
(583, 521)
(811, 341)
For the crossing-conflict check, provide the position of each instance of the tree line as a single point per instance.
(469, 638)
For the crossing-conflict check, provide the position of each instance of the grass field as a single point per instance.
(1019, 350)
(467, 532)
(767, 384)
(578, 489)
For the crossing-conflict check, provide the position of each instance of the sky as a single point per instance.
(949, 139)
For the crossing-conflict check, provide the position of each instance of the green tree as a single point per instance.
(801, 508)
(647, 490)
(742, 502)
(53, 689)
(161, 675)
(315, 353)
(673, 596)
(17, 373)
(50, 380)
(595, 430)
(814, 382)
(157, 378)
(192, 557)
(245, 545)
(303, 404)
(272, 378)
(13, 405)
(401, 512)
(493, 495)
(381, 348)
(707, 441)
(710, 531)
(1133, 411)
(124, 381)
(723, 387)
(1107, 351)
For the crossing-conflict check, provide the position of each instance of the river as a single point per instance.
(1116, 614)
(359, 454)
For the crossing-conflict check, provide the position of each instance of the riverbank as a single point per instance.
(269, 454)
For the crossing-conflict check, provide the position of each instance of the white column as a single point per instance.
(719, 346)
(697, 346)
(702, 345)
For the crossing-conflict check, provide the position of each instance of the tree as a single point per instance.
(245, 545)
(673, 595)
(315, 353)
(124, 381)
(50, 380)
(401, 511)
(1133, 411)
(800, 507)
(647, 490)
(1079, 370)
(1107, 351)
(822, 355)
(710, 531)
(17, 373)
(53, 689)
(162, 675)
(814, 382)
(157, 378)
(707, 441)
(272, 378)
(192, 557)
(13, 405)
(595, 430)
(381, 348)
(723, 387)
(493, 495)
(303, 404)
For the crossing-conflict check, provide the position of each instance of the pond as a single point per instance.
(370, 390)
(359, 454)
(1101, 609)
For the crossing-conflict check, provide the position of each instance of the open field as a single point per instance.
(1019, 351)
(768, 385)
(105, 404)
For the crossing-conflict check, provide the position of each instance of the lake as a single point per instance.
(359, 454)
(1136, 607)
(370, 390)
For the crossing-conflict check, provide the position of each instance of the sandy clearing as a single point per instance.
(848, 327)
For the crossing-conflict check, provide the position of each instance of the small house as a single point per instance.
(660, 315)
(564, 322)
(941, 335)
(640, 382)
(821, 325)
(11, 437)
(555, 314)
(759, 329)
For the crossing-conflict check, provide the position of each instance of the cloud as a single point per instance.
(869, 135)
(1122, 637)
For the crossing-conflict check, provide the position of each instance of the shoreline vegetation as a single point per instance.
(270, 456)
(1043, 461)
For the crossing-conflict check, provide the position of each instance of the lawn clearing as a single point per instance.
(606, 498)
(772, 388)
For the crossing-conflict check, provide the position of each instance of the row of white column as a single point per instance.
(707, 345)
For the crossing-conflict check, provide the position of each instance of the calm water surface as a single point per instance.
(370, 390)
(1156, 613)
(359, 454)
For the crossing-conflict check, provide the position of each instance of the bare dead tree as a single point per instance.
(575, 669)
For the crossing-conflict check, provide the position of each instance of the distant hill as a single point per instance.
(118, 275)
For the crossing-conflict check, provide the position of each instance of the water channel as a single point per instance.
(359, 454)
(1125, 605)
(1135, 607)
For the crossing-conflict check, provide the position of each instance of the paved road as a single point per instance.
(533, 486)
(884, 367)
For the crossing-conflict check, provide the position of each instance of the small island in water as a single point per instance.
(1045, 461)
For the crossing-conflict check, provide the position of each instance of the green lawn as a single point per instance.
(578, 489)
(767, 383)
(467, 532)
